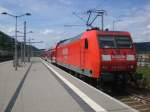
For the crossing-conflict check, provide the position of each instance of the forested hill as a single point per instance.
(7, 43)
(142, 47)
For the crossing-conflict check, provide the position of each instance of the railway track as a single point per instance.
(136, 98)
(142, 104)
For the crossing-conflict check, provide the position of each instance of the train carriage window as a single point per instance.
(86, 44)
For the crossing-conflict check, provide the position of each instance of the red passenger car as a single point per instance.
(45, 54)
(53, 55)
(98, 54)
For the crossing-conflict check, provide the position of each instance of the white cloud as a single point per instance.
(7, 29)
(49, 36)
(47, 31)
(3, 9)
(10, 30)
(137, 23)
(148, 26)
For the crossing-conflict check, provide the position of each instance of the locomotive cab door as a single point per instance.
(84, 53)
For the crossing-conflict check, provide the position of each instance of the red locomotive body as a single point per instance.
(95, 53)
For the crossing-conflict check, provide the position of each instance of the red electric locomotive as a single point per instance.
(98, 54)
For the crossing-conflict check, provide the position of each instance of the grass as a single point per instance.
(145, 71)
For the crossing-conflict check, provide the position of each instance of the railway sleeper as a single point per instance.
(141, 106)
(126, 99)
(132, 102)
(144, 109)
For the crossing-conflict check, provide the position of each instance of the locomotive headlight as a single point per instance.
(106, 57)
(130, 57)
(131, 66)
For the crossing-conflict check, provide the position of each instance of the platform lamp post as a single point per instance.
(24, 46)
(16, 18)
(115, 21)
(29, 48)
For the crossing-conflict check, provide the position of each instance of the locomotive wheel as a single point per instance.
(119, 82)
(124, 81)
(100, 83)
(135, 79)
(97, 83)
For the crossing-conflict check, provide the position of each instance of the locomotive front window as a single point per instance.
(114, 42)
(106, 42)
(123, 42)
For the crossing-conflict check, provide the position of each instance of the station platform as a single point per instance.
(42, 87)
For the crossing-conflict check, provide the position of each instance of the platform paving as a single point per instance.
(9, 81)
(107, 102)
(35, 88)
(42, 92)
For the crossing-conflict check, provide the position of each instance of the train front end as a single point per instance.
(117, 55)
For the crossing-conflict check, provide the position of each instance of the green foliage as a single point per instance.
(6, 42)
(145, 71)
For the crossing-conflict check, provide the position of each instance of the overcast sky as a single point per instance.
(49, 17)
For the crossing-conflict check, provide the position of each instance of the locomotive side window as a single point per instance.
(86, 44)
(106, 42)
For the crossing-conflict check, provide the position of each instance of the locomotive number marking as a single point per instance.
(65, 51)
(118, 56)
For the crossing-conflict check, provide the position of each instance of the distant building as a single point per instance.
(143, 59)
(143, 53)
